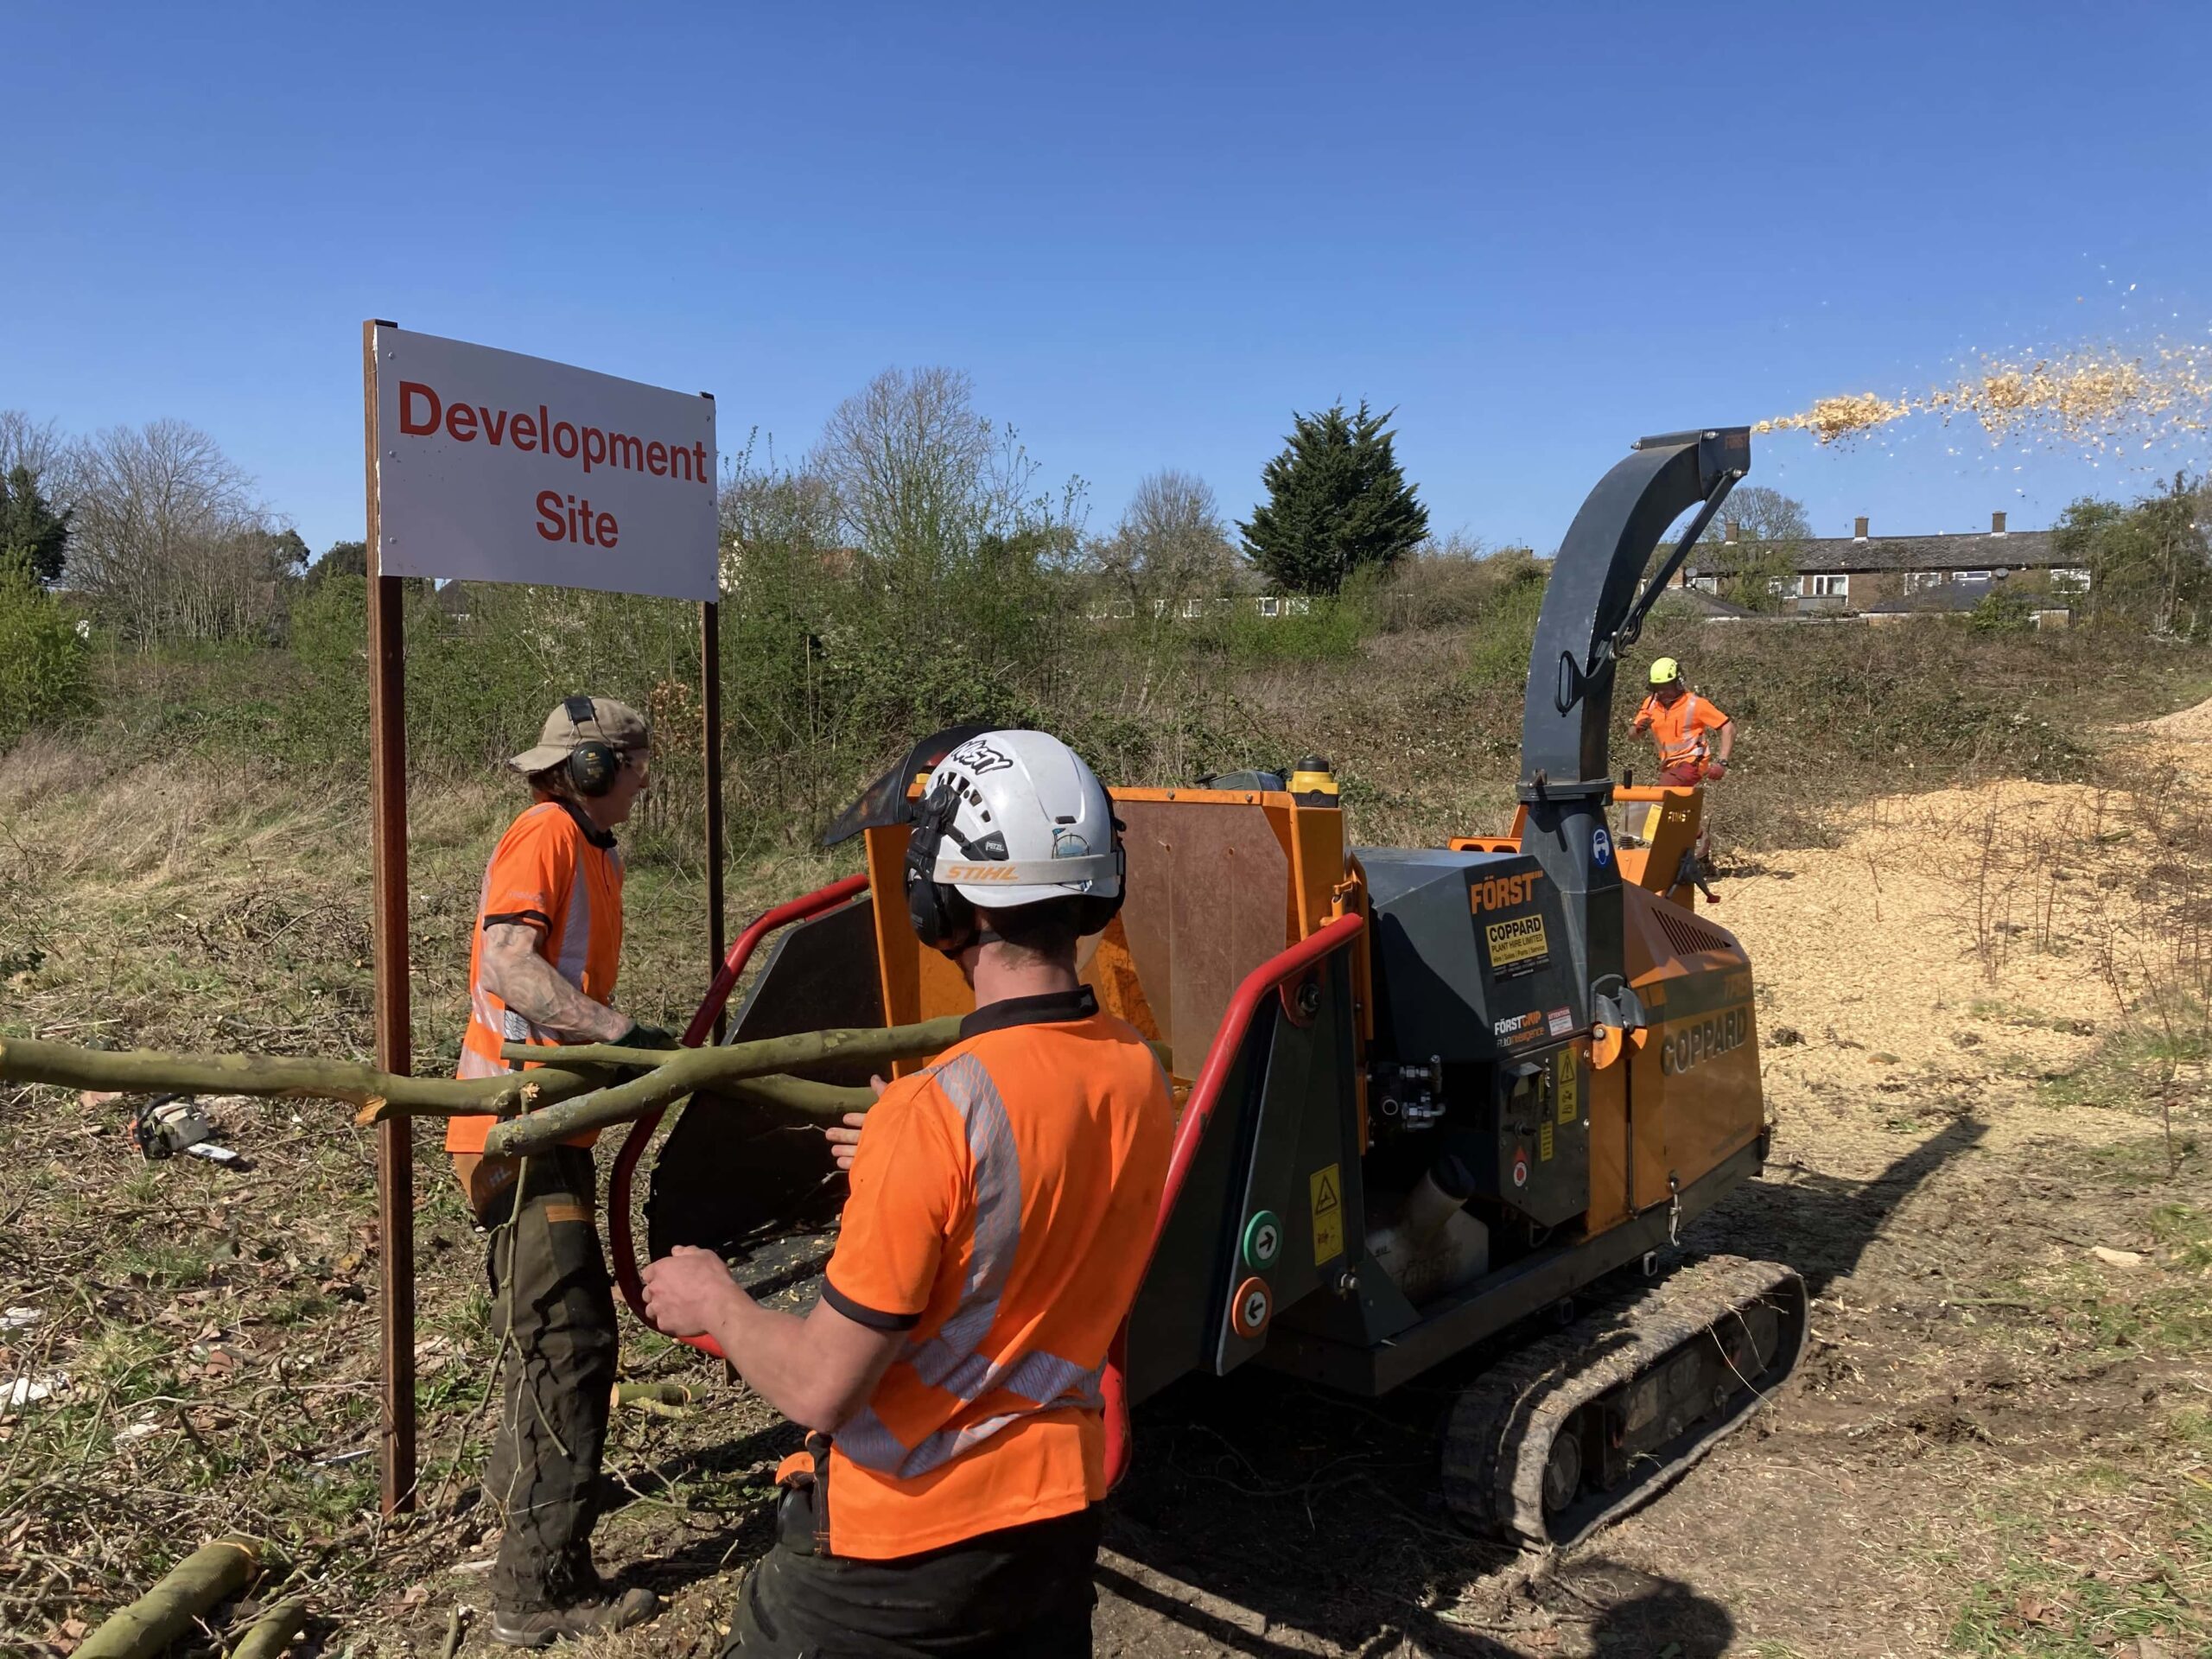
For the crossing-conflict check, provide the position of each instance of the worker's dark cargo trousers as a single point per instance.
(553, 1317)
(1024, 1592)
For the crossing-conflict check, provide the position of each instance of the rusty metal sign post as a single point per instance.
(395, 1048)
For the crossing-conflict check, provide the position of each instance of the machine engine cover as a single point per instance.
(1470, 955)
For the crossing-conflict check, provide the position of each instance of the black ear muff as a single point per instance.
(942, 919)
(592, 767)
(1095, 913)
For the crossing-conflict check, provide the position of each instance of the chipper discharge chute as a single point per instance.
(1425, 1095)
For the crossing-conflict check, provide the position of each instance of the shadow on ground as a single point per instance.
(1267, 1516)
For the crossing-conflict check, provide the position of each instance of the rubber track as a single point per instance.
(1503, 1425)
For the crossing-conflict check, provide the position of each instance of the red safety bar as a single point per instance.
(618, 1238)
(1206, 1095)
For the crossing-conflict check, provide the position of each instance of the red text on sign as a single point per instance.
(423, 413)
(568, 519)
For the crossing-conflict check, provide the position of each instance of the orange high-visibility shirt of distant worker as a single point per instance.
(1694, 737)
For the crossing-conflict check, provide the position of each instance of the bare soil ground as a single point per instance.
(1979, 1019)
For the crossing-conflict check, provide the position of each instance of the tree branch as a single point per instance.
(379, 1094)
(541, 1107)
(685, 1071)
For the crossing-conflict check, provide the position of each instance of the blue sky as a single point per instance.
(1148, 233)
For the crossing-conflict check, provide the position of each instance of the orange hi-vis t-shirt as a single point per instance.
(1001, 1210)
(556, 872)
(1683, 732)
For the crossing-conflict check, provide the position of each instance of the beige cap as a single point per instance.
(572, 725)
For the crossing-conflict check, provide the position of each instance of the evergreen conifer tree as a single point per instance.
(32, 534)
(1336, 500)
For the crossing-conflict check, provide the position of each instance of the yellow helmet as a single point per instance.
(1666, 672)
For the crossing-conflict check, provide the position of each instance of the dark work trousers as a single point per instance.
(1024, 1592)
(553, 1316)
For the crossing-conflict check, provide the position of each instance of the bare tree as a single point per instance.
(1769, 531)
(169, 539)
(909, 461)
(770, 514)
(38, 446)
(1172, 545)
(1756, 513)
(924, 484)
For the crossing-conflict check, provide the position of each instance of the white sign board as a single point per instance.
(493, 466)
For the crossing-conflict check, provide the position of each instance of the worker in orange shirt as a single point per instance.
(545, 953)
(1001, 1212)
(1694, 738)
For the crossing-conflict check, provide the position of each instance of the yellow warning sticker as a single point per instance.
(1519, 939)
(1544, 1142)
(1567, 1085)
(1327, 1187)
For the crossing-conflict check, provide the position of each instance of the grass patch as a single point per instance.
(2186, 1235)
(2066, 1584)
(158, 1266)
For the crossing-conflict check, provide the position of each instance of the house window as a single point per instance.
(1776, 587)
(1298, 607)
(1972, 575)
(1194, 607)
(1706, 584)
(2070, 579)
(1916, 579)
(1825, 586)
(1271, 607)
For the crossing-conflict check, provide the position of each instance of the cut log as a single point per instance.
(273, 1631)
(659, 1399)
(684, 1072)
(211, 1573)
(659, 1394)
(578, 1085)
(380, 1094)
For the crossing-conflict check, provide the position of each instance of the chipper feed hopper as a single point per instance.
(1426, 1095)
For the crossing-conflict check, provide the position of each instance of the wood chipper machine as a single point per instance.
(1426, 1095)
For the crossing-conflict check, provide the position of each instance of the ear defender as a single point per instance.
(1096, 912)
(941, 917)
(592, 767)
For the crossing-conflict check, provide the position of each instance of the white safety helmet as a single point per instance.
(1009, 818)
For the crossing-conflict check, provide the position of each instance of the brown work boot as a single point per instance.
(598, 1614)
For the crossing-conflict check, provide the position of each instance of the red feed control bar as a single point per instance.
(1205, 1095)
(620, 1239)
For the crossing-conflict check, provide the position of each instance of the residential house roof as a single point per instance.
(1996, 549)
(1704, 604)
(1944, 596)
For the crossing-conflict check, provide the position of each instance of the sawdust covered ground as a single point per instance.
(2002, 1441)
(1998, 1442)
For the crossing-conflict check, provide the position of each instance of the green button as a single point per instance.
(1263, 1240)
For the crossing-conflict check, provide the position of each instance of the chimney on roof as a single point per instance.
(1858, 530)
(1730, 532)
(1997, 523)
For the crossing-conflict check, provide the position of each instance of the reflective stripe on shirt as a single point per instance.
(575, 931)
(951, 1359)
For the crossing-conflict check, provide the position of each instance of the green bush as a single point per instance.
(1505, 629)
(45, 671)
(1311, 630)
(2003, 612)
